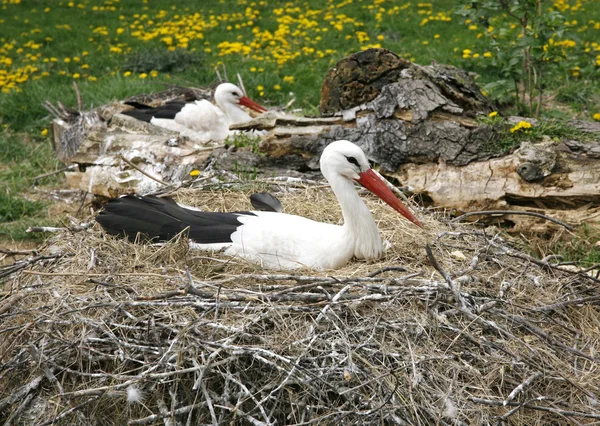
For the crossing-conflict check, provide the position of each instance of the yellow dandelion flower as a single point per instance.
(521, 125)
(126, 73)
(76, 75)
(195, 173)
(493, 114)
(45, 131)
(596, 116)
(260, 87)
(277, 87)
(92, 78)
(143, 75)
(153, 73)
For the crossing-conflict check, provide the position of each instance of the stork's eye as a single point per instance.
(353, 160)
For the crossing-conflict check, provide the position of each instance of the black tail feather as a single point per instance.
(146, 113)
(266, 202)
(161, 219)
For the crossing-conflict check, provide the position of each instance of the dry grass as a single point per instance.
(90, 320)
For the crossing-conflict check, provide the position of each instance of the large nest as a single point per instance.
(454, 326)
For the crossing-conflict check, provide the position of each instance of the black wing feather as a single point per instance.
(146, 113)
(161, 219)
(266, 202)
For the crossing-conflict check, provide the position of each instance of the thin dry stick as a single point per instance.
(560, 412)
(516, 391)
(45, 175)
(21, 393)
(241, 83)
(69, 411)
(446, 277)
(142, 172)
(154, 417)
(218, 74)
(78, 94)
(511, 212)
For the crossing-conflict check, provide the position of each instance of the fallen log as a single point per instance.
(418, 123)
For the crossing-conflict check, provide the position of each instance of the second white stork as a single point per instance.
(201, 121)
(272, 239)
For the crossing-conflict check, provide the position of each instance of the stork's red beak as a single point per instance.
(247, 102)
(373, 183)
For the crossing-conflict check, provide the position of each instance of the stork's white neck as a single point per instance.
(235, 114)
(359, 226)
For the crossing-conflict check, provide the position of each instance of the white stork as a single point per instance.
(201, 121)
(273, 239)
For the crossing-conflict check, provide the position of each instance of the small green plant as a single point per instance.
(510, 136)
(583, 247)
(525, 47)
(244, 140)
(245, 173)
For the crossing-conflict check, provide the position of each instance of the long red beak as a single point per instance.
(378, 187)
(247, 102)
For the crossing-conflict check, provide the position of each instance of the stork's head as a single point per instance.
(230, 94)
(347, 160)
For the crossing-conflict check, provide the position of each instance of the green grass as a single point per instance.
(107, 46)
(554, 128)
(22, 158)
(583, 248)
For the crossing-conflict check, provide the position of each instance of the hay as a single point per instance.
(95, 330)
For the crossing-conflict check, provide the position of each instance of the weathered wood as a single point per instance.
(362, 76)
(105, 158)
(409, 121)
(567, 186)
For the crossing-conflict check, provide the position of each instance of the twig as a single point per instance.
(23, 263)
(386, 269)
(225, 72)
(111, 285)
(241, 83)
(52, 229)
(512, 212)
(446, 277)
(15, 414)
(566, 413)
(142, 172)
(45, 175)
(559, 305)
(17, 252)
(69, 411)
(154, 417)
(509, 413)
(21, 393)
(78, 94)
(516, 391)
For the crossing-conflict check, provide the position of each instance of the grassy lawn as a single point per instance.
(114, 49)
